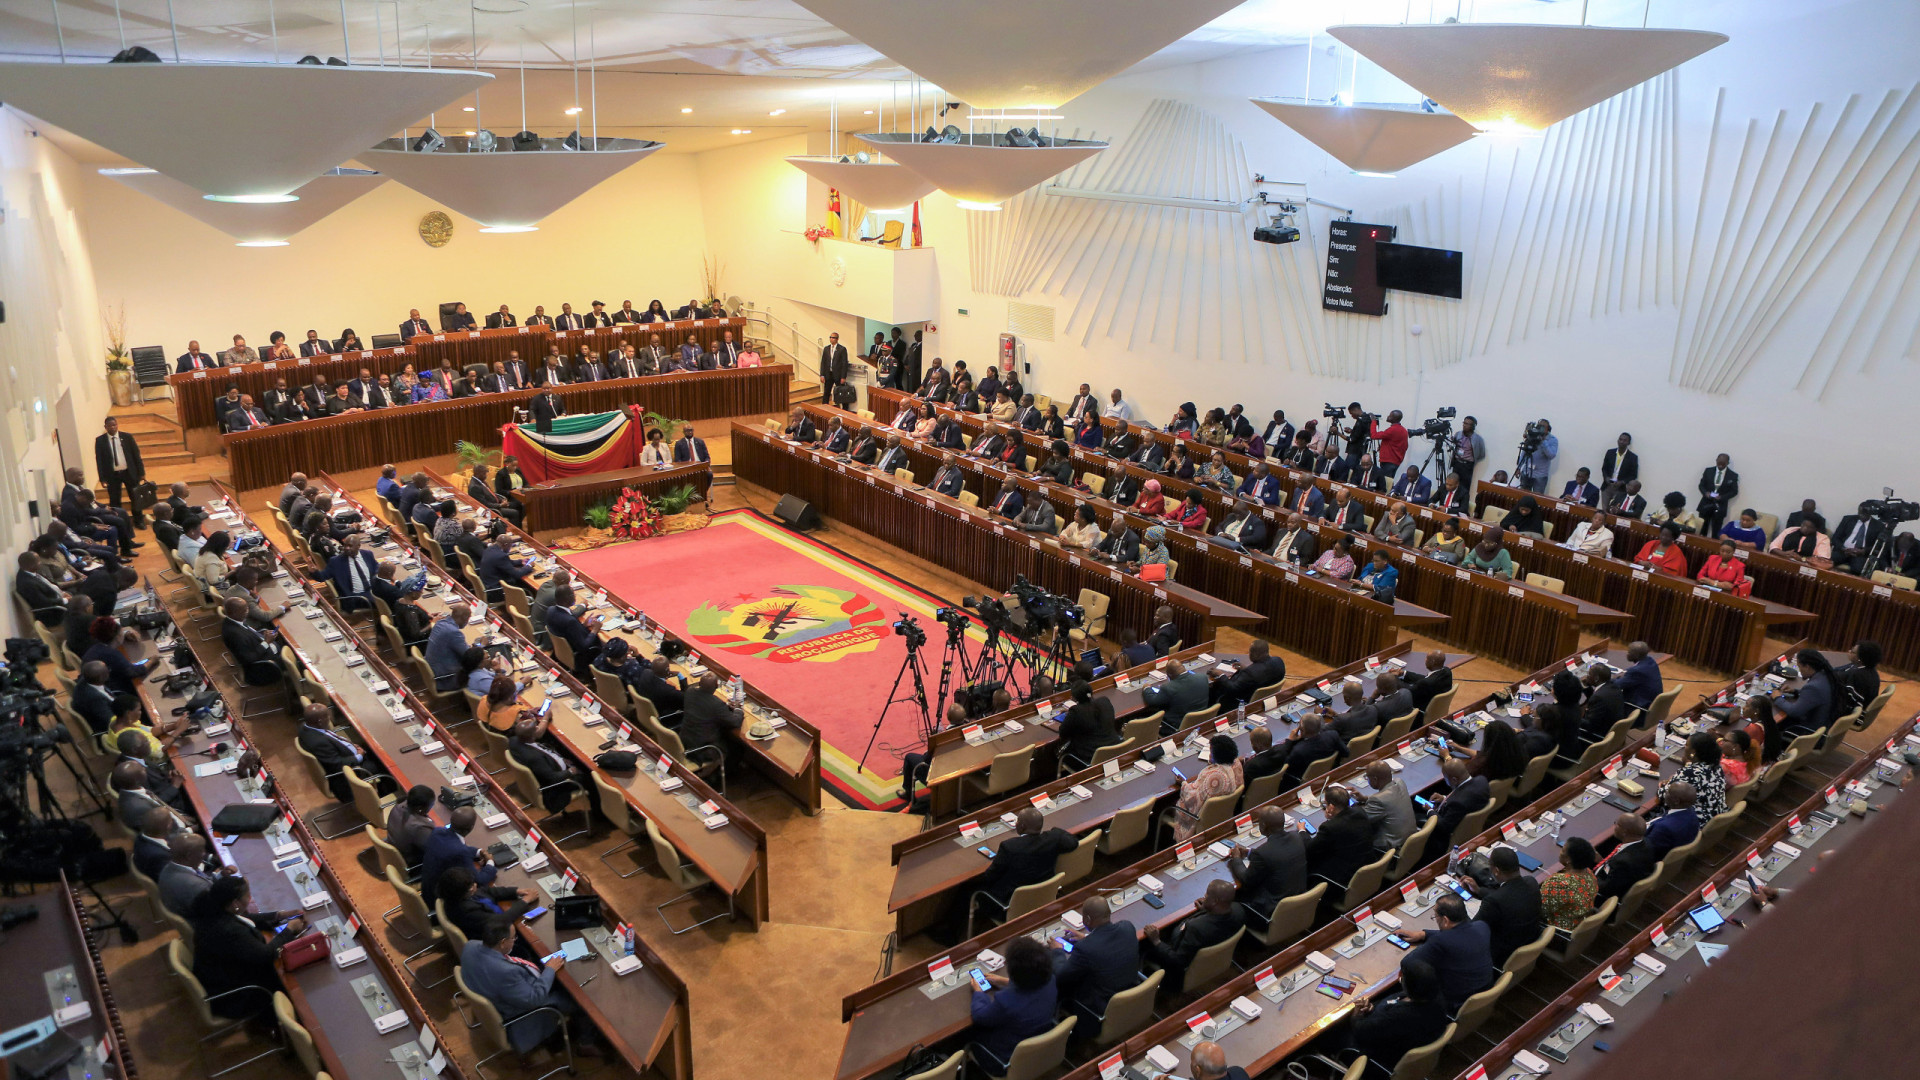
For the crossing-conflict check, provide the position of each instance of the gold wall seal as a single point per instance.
(436, 228)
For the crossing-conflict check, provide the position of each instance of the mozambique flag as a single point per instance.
(833, 211)
(916, 223)
(594, 442)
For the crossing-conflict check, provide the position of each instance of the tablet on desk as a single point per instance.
(1706, 918)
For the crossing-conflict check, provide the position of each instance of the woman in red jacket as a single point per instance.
(1727, 570)
(1665, 553)
(1191, 513)
(1151, 502)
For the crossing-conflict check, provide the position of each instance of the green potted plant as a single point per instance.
(119, 364)
(469, 454)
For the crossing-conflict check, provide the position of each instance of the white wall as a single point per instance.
(51, 344)
(637, 236)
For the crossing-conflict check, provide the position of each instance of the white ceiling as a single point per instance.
(733, 62)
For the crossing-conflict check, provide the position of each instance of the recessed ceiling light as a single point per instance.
(868, 112)
(139, 170)
(777, 112)
(252, 198)
(509, 228)
(575, 111)
(466, 108)
(261, 243)
(686, 110)
(469, 134)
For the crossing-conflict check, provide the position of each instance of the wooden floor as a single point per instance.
(760, 1000)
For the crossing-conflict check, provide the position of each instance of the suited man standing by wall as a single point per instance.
(117, 458)
(1718, 486)
(833, 367)
(1619, 465)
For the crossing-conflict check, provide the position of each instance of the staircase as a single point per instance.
(163, 449)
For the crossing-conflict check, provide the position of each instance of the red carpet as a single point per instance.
(808, 624)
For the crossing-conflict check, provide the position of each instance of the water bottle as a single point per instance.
(1240, 714)
(737, 690)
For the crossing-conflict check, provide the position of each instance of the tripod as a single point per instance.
(1437, 450)
(955, 646)
(913, 664)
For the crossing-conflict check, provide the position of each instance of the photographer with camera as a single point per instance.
(1538, 448)
(1392, 440)
(1861, 540)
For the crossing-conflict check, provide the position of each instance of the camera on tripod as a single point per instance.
(1532, 437)
(1888, 510)
(1045, 609)
(1330, 411)
(1441, 425)
(908, 627)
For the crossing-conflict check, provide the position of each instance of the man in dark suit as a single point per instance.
(627, 315)
(1261, 485)
(540, 316)
(501, 319)
(1214, 920)
(655, 357)
(1359, 718)
(1580, 490)
(1151, 455)
(447, 847)
(1009, 502)
(568, 320)
(1718, 486)
(1105, 960)
(708, 719)
(1679, 825)
(1466, 795)
(498, 567)
(193, 360)
(1640, 683)
(656, 681)
(1309, 741)
(1631, 862)
(1025, 858)
(1511, 909)
(1297, 543)
(948, 480)
(1263, 758)
(1628, 503)
(1181, 693)
(1308, 500)
(589, 369)
(91, 700)
(1860, 542)
(553, 370)
(833, 367)
(352, 572)
(1262, 669)
(1166, 634)
(1413, 487)
(496, 381)
(315, 345)
(1619, 466)
(1083, 402)
(1604, 708)
(688, 448)
(258, 658)
(1123, 443)
(1273, 871)
(1457, 949)
(1122, 545)
(1430, 684)
(282, 405)
(414, 326)
(559, 777)
(1243, 529)
(727, 352)
(337, 753)
(545, 408)
(460, 319)
(1390, 699)
(865, 449)
(44, 599)
(623, 364)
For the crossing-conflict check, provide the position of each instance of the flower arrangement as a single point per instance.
(633, 516)
(818, 233)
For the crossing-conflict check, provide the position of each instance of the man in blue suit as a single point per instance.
(447, 847)
(1459, 949)
(497, 566)
(1308, 499)
(690, 448)
(1019, 1005)
(446, 643)
(948, 480)
(1413, 487)
(521, 990)
(1640, 683)
(352, 573)
(1679, 825)
(1010, 501)
(1261, 484)
(1105, 960)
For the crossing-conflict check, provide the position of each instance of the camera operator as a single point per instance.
(1538, 448)
(1393, 442)
(1469, 450)
(1860, 541)
(1358, 432)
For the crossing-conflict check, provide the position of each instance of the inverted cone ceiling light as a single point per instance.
(261, 224)
(233, 130)
(980, 171)
(1503, 77)
(517, 183)
(1015, 54)
(877, 185)
(1371, 138)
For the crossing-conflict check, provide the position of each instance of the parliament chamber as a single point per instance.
(1211, 542)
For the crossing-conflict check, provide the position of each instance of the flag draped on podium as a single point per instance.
(593, 442)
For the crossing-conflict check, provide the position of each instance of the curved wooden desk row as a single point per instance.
(1703, 626)
(562, 504)
(1284, 1028)
(363, 440)
(885, 1020)
(644, 1016)
(40, 954)
(980, 547)
(792, 758)
(329, 1005)
(194, 391)
(1513, 621)
(734, 856)
(1848, 609)
(486, 346)
(1728, 882)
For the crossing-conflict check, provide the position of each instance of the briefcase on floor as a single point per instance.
(144, 495)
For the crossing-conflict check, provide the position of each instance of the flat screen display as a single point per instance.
(1434, 271)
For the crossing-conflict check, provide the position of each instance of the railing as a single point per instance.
(785, 339)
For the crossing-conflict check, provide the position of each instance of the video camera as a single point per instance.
(1441, 425)
(1330, 411)
(1535, 434)
(1046, 609)
(908, 627)
(1889, 510)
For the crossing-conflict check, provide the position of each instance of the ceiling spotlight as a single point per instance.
(575, 111)
(1343, 99)
(252, 198)
(777, 112)
(571, 142)
(526, 140)
(482, 142)
(428, 142)
(866, 112)
(261, 243)
(686, 110)
(862, 157)
(466, 108)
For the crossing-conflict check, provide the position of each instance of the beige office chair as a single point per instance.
(1441, 704)
(683, 876)
(1834, 740)
(1291, 917)
(1110, 751)
(1536, 771)
(613, 803)
(1419, 1062)
(610, 688)
(1261, 789)
(487, 1018)
(1406, 859)
(1010, 771)
(1591, 756)
(1032, 1058)
(1144, 729)
(1802, 750)
(413, 908)
(1581, 937)
(1201, 716)
(1551, 584)
(562, 652)
(946, 1070)
(1075, 865)
(1883, 577)
(1026, 898)
(1872, 712)
(1521, 963)
(1319, 768)
(1637, 894)
(1717, 827)
(1498, 792)
(969, 498)
(1472, 825)
(297, 1036)
(1773, 777)
(1128, 1011)
(1475, 1010)
(366, 797)
(1661, 705)
(319, 772)
(456, 938)
(1096, 605)
(1126, 828)
(1365, 882)
(181, 964)
(1211, 964)
(1360, 744)
(1095, 482)
(1212, 812)
(1398, 727)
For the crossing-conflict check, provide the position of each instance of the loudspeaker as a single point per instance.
(797, 512)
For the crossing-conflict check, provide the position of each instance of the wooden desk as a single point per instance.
(790, 759)
(561, 504)
(194, 391)
(984, 550)
(1845, 609)
(644, 1016)
(362, 440)
(465, 347)
(54, 964)
(886, 1019)
(1682, 960)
